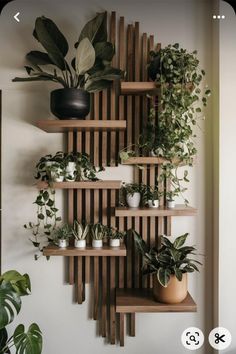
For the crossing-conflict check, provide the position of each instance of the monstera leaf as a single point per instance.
(48, 34)
(85, 57)
(95, 30)
(29, 342)
(20, 283)
(10, 303)
(3, 341)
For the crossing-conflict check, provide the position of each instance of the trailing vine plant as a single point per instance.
(178, 106)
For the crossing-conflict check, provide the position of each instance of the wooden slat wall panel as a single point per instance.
(122, 63)
(113, 93)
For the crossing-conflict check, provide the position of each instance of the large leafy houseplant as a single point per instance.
(169, 264)
(89, 71)
(13, 286)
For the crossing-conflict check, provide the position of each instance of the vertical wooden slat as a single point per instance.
(70, 144)
(96, 134)
(121, 259)
(122, 67)
(104, 134)
(122, 329)
(112, 301)
(79, 280)
(113, 93)
(129, 78)
(136, 113)
(104, 270)
(96, 287)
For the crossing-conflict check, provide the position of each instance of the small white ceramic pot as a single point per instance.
(153, 203)
(56, 175)
(63, 243)
(97, 243)
(133, 201)
(80, 243)
(71, 167)
(170, 204)
(153, 154)
(115, 242)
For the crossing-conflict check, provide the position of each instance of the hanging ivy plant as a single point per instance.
(179, 78)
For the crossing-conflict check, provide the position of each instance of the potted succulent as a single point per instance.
(132, 193)
(170, 198)
(80, 232)
(98, 232)
(62, 235)
(89, 71)
(115, 236)
(151, 196)
(169, 265)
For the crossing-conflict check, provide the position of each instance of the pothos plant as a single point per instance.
(90, 69)
(170, 130)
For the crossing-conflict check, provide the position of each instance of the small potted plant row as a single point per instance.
(83, 232)
(134, 195)
(67, 167)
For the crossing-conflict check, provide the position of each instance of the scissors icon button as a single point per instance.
(220, 338)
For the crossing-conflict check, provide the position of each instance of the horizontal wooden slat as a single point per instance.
(141, 300)
(149, 160)
(179, 210)
(105, 251)
(60, 126)
(81, 185)
(142, 88)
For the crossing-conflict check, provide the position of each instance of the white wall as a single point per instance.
(227, 210)
(66, 326)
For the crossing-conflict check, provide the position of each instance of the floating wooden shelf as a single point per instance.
(142, 88)
(60, 126)
(105, 251)
(141, 300)
(81, 185)
(179, 210)
(143, 160)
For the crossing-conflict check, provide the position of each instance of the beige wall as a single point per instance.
(66, 326)
(227, 210)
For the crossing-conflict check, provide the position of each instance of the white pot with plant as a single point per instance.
(169, 266)
(151, 195)
(132, 193)
(170, 201)
(98, 232)
(62, 235)
(80, 233)
(115, 236)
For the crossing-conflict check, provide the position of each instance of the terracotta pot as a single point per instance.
(175, 292)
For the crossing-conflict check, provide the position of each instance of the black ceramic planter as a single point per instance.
(70, 103)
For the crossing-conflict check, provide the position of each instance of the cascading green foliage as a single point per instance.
(172, 135)
(90, 69)
(172, 258)
(13, 285)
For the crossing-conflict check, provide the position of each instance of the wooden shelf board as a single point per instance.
(105, 251)
(179, 210)
(81, 185)
(143, 160)
(141, 300)
(60, 126)
(141, 88)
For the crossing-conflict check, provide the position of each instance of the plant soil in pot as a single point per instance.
(70, 103)
(133, 201)
(174, 293)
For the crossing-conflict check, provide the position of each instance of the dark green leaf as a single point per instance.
(41, 216)
(39, 58)
(104, 51)
(163, 276)
(95, 30)
(3, 341)
(52, 40)
(10, 303)
(179, 241)
(29, 342)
